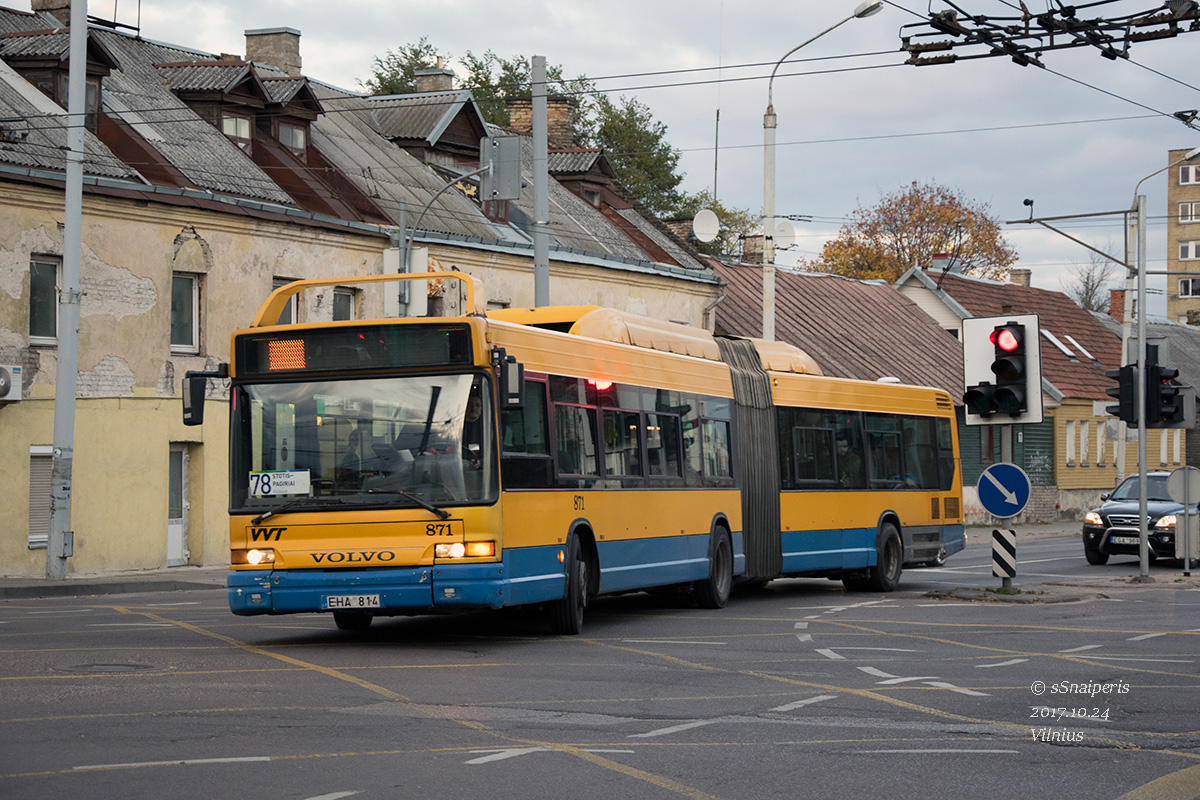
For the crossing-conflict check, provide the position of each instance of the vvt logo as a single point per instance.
(266, 534)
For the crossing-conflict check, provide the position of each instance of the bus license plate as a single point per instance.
(1125, 540)
(339, 601)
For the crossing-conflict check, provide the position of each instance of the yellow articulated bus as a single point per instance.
(547, 456)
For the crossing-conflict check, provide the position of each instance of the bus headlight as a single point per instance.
(465, 550)
(253, 557)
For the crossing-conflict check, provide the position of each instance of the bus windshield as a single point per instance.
(378, 442)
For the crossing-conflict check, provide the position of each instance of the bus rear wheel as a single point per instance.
(889, 563)
(566, 615)
(713, 591)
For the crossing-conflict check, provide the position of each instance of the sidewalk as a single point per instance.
(174, 579)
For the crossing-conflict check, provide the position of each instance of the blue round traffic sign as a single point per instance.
(1003, 490)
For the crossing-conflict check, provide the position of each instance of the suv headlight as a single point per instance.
(1166, 521)
(1093, 518)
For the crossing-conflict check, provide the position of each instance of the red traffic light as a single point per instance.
(1007, 338)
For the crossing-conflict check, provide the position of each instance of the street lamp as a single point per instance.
(864, 9)
(1139, 207)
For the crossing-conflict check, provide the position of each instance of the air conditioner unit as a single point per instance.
(10, 383)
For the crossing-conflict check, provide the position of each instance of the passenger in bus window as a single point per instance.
(849, 465)
(472, 441)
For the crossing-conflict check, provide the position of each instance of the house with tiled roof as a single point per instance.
(209, 180)
(1078, 450)
(853, 329)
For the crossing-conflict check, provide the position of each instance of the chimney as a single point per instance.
(279, 47)
(60, 9)
(1020, 277)
(1116, 304)
(561, 113)
(438, 79)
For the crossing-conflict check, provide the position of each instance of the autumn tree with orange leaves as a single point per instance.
(907, 228)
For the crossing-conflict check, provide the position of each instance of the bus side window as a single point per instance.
(945, 445)
(525, 461)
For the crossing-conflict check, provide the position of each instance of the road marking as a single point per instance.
(806, 702)
(895, 681)
(1081, 649)
(514, 752)
(882, 649)
(830, 654)
(183, 762)
(1002, 663)
(878, 673)
(64, 611)
(804, 637)
(959, 689)
(926, 752)
(801, 626)
(196, 603)
(1146, 660)
(1145, 636)
(334, 796)
(674, 729)
(129, 625)
(667, 641)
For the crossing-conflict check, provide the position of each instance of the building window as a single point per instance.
(343, 304)
(1189, 212)
(237, 128)
(987, 444)
(43, 300)
(185, 313)
(41, 465)
(1189, 287)
(1188, 174)
(1189, 251)
(295, 138)
(288, 315)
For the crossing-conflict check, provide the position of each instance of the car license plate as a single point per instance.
(1125, 540)
(339, 601)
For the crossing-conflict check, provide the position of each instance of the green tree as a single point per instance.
(736, 223)
(394, 73)
(908, 227)
(636, 145)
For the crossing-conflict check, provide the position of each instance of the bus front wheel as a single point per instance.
(566, 615)
(889, 562)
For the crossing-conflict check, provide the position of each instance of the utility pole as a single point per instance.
(541, 187)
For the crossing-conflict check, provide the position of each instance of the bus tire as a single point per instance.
(889, 563)
(352, 620)
(713, 591)
(566, 615)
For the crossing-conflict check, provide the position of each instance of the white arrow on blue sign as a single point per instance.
(1003, 490)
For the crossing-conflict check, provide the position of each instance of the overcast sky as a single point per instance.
(854, 122)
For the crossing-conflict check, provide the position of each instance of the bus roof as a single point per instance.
(611, 325)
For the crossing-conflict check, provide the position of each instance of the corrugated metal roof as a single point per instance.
(204, 76)
(53, 44)
(417, 116)
(852, 329)
(282, 90)
(573, 161)
(1074, 375)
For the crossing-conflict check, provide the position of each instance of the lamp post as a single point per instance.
(864, 9)
(1139, 207)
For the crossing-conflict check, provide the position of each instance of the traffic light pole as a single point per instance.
(1143, 530)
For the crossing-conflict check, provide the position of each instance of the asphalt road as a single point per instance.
(1079, 687)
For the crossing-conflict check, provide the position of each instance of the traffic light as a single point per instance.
(1164, 405)
(1009, 367)
(1002, 371)
(1125, 410)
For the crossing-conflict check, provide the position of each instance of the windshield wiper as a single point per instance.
(421, 501)
(299, 501)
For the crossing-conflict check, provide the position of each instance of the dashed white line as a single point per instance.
(830, 654)
(1082, 648)
(805, 702)
(333, 796)
(878, 673)
(666, 641)
(1144, 636)
(1002, 663)
(959, 689)
(674, 729)
(927, 752)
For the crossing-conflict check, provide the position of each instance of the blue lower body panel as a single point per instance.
(527, 575)
(954, 538)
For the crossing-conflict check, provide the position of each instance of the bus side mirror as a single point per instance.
(512, 382)
(195, 385)
(194, 388)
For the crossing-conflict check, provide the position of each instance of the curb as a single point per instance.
(84, 589)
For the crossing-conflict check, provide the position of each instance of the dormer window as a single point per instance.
(295, 138)
(237, 128)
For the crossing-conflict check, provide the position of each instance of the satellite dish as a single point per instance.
(785, 235)
(706, 226)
